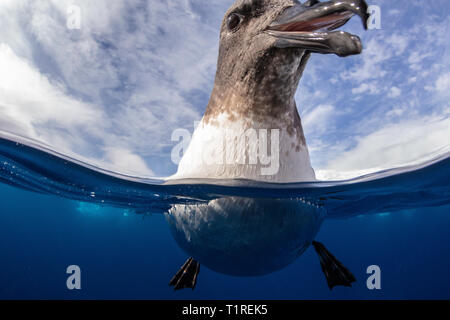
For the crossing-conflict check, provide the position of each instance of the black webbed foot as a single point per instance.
(334, 270)
(186, 277)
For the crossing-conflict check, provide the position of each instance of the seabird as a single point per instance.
(264, 48)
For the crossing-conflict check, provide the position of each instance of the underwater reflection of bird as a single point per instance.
(264, 48)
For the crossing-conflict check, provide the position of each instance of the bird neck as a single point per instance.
(244, 101)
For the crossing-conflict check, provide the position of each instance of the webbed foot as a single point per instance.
(186, 277)
(334, 270)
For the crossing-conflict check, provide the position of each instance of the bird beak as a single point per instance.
(310, 26)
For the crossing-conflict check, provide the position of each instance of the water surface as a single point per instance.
(57, 211)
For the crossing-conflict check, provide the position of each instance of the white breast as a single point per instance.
(241, 149)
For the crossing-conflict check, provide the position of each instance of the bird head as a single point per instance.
(266, 43)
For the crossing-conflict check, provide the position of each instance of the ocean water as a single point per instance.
(56, 211)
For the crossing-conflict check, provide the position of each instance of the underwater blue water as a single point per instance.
(113, 229)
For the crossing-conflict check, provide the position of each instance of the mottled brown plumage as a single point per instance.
(264, 48)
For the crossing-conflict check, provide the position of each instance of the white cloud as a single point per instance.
(443, 82)
(33, 106)
(33, 101)
(370, 88)
(124, 80)
(408, 66)
(395, 112)
(398, 43)
(123, 160)
(375, 53)
(395, 145)
(394, 92)
(318, 119)
(416, 58)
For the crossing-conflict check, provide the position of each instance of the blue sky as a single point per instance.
(113, 92)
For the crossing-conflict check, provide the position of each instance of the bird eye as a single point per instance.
(310, 3)
(234, 20)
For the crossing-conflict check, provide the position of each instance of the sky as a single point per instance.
(113, 91)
